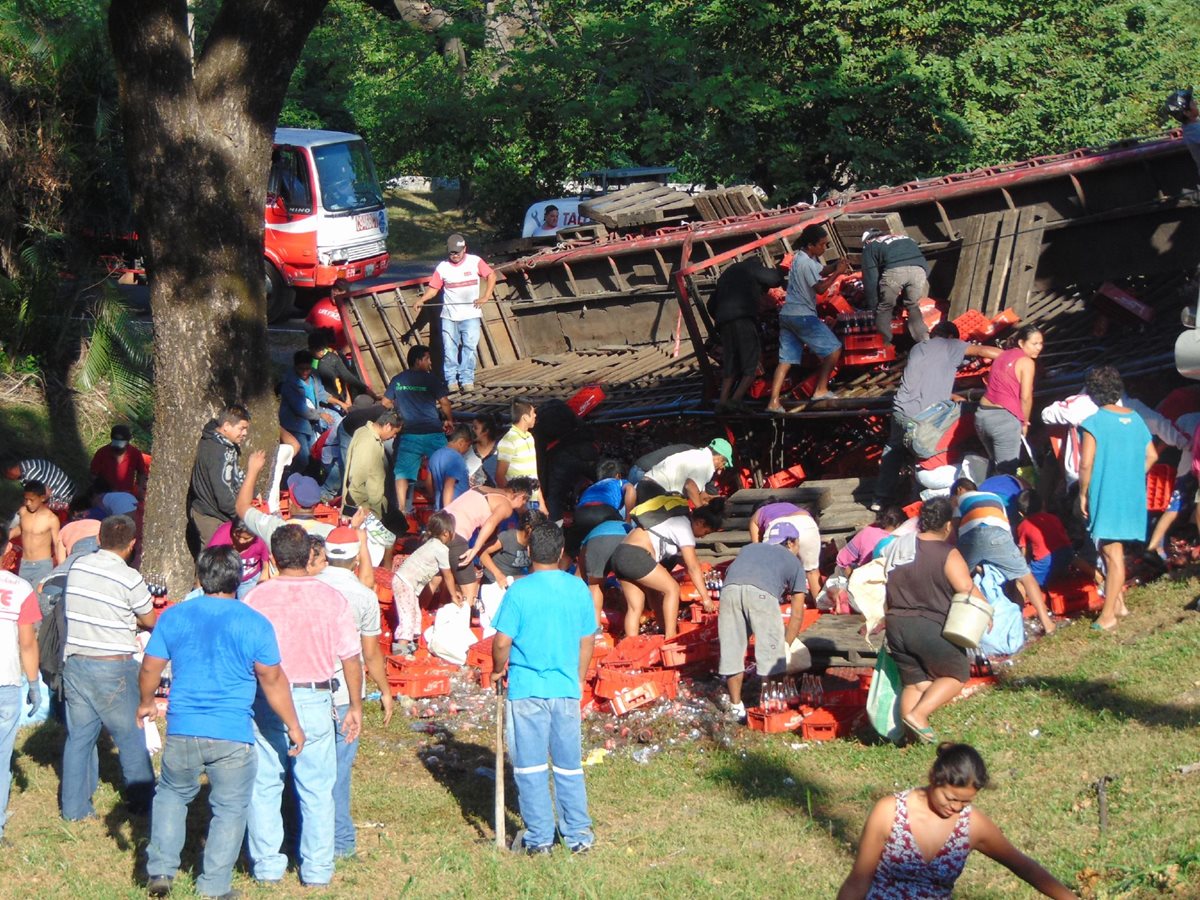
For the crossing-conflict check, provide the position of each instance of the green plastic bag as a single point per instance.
(883, 700)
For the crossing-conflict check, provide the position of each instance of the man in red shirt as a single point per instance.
(324, 314)
(314, 627)
(122, 465)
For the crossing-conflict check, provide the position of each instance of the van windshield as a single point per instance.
(346, 177)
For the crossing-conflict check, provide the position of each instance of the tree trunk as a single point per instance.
(198, 147)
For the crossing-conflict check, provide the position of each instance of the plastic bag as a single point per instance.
(883, 700)
(450, 636)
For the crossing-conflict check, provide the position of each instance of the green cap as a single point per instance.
(721, 447)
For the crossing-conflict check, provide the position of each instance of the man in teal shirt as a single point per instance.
(545, 634)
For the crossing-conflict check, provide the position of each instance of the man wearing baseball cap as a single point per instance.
(686, 473)
(762, 576)
(894, 267)
(346, 550)
(122, 466)
(303, 492)
(458, 277)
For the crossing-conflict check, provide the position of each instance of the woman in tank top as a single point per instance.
(1003, 416)
(923, 574)
(915, 843)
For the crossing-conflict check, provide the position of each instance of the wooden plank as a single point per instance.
(1002, 257)
(1031, 229)
(705, 208)
(968, 254)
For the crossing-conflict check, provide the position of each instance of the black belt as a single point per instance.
(331, 685)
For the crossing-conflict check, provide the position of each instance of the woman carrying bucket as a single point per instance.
(924, 574)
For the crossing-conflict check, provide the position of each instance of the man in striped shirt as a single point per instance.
(106, 602)
(516, 451)
(57, 482)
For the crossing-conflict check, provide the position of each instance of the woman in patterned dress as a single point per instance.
(915, 843)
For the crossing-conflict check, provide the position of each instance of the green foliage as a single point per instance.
(800, 98)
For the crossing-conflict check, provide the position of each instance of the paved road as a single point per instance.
(138, 295)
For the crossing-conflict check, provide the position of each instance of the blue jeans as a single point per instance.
(345, 840)
(304, 454)
(230, 767)
(314, 772)
(10, 713)
(537, 729)
(102, 692)
(459, 340)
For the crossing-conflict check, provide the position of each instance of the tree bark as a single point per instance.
(198, 147)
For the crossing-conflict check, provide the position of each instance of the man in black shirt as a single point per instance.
(893, 266)
(734, 307)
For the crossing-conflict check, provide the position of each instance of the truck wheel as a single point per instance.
(281, 296)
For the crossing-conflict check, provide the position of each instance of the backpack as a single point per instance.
(52, 642)
(924, 432)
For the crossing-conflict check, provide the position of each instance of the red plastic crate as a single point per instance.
(479, 655)
(586, 399)
(788, 477)
(1160, 482)
(699, 646)
(383, 587)
(1070, 598)
(973, 326)
(827, 723)
(610, 682)
(642, 651)
(868, 357)
(632, 698)
(414, 665)
(774, 722)
(848, 697)
(419, 685)
(914, 508)
(860, 342)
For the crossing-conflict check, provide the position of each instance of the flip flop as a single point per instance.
(925, 735)
(1096, 626)
(828, 395)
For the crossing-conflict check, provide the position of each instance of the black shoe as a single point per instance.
(578, 849)
(159, 886)
(1194, 606)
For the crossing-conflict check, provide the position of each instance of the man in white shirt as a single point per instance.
(458, 277)
(687, 472)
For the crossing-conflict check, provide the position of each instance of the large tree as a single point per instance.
(198, 129)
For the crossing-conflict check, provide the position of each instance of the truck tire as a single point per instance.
(281, 296)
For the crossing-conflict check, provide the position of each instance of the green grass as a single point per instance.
(418, 224)
(761, 818)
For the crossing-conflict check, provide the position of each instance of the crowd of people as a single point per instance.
(269, 657)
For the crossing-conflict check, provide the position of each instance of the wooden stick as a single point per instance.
(499, 812)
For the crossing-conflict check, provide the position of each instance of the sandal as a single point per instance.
(925, 735)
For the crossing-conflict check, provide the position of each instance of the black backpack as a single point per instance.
(52, 641)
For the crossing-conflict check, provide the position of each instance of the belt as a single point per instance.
(330, 685)
(116, 656)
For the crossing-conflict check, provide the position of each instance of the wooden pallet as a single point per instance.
(997, 261)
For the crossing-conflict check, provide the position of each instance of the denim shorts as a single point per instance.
(1183, 494)
(798, 332)
(410, 448)
(994, 545)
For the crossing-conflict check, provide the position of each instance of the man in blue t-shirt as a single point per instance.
(220, 650)
(422, 400)
(448, 467)
(544, 639)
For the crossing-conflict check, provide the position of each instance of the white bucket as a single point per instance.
(968, 619)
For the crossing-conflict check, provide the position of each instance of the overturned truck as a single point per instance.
(1097, 246)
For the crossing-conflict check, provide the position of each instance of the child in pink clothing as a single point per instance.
(415, 573)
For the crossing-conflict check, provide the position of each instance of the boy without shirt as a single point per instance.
(38, 530)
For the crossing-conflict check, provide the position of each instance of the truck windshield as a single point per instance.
(347, 177)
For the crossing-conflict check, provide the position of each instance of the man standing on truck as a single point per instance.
(458, 277)
(734, 307)
(893, 266)
(1182, 106)
(799, 325)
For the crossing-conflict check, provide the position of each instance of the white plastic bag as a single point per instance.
(450, 636)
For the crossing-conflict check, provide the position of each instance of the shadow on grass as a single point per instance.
(1099, 696)
(453, 764)
(762, 776)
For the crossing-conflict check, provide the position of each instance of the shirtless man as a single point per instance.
(38, 530)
